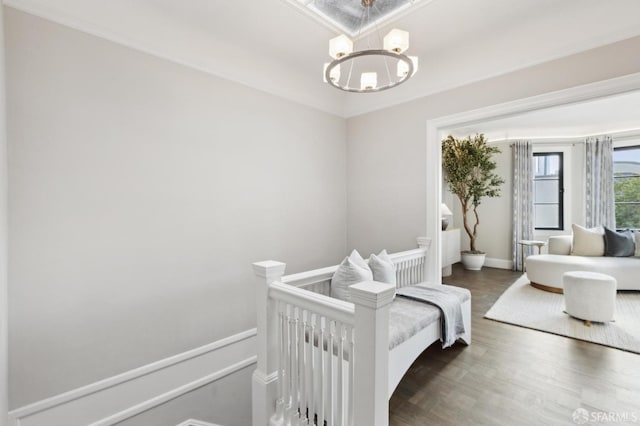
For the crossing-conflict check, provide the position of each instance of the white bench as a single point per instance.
(300, 380)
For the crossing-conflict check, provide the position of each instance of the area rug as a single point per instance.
(529, 307)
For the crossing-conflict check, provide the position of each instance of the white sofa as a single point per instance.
(545, 270)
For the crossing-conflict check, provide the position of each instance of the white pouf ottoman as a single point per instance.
(589, 296)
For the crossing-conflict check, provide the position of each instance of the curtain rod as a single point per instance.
(575, 140)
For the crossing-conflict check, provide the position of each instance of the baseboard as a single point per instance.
(128, 394)
(498, 263)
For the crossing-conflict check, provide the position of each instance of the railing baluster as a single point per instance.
(404, 273)
(294, 365)
(330, 385)
(340, 378)
(302, 394)
(289, 365)
(351, 376)
(320, 370)
(411, 269)
(281, 342)
(414, 278)
(311, 368)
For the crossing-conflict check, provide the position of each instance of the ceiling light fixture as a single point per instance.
(360, 62)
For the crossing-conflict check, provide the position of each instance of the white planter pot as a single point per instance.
(473, 262)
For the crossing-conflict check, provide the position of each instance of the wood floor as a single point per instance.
(512, 375)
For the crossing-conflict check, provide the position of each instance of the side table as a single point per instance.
(529, 243)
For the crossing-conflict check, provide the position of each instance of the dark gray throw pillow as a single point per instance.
(618, 244)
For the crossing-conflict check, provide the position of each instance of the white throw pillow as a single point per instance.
(358, 260)
(383, 268)
(587, 242)
(352, 270)
(636, 234)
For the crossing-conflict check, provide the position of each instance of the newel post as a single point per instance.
(425, 243)
(265, 376)
(371, 360)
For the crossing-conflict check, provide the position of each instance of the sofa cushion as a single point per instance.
(587, 242)
(618, 244)
(560, 244)
(637, 235)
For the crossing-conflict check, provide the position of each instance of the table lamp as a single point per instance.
(444, 211)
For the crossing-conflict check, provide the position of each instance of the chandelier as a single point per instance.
(390, 62)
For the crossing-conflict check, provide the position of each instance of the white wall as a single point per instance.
(387, 149)
(226, 402)
(141, 191)
(3, 236)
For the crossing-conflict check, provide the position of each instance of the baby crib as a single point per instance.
(324, 361)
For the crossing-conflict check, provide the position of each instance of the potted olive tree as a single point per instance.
(469, 173)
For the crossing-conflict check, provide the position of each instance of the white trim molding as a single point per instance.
(491, 262)
(192, 422)
(128, 394)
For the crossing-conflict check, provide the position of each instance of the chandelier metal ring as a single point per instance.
(370, 52)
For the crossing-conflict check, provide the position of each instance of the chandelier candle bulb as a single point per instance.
(396, 41)
(340, 46)
(368, 80)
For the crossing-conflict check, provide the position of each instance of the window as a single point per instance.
(548, 190)
(626, 181)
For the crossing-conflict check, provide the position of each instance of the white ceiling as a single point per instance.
(272, 46)
(613, 114)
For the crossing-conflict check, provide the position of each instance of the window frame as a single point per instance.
(615, 203)
(561, 191)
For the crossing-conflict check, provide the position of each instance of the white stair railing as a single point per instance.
(321, 360)
(325, 361)
(314, 381)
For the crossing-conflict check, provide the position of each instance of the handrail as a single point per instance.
(409, 254)
(334, 309)
(310, 277)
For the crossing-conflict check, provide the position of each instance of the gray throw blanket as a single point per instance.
(448, 300)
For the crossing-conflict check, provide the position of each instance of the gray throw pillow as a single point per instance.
(618, 244)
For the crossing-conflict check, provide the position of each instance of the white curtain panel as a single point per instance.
(522, 199)
(599, 196)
